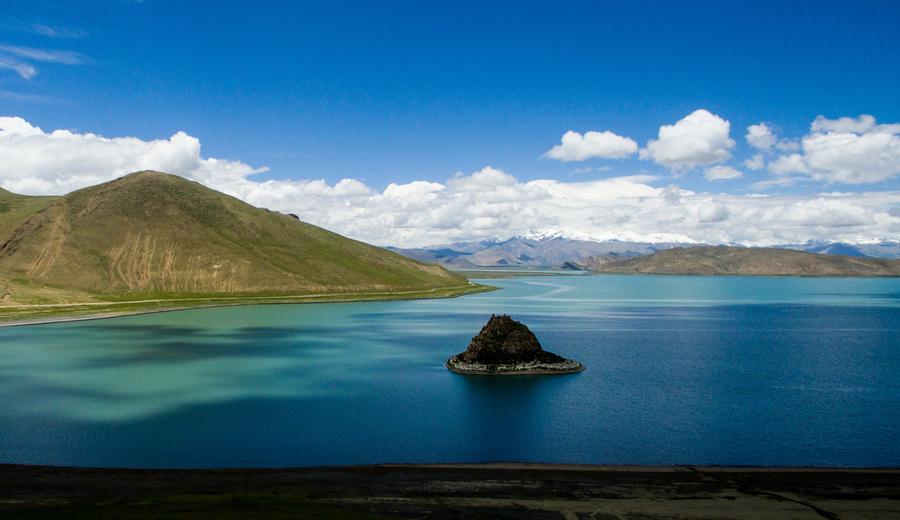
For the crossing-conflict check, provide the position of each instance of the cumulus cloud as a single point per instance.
(757, 162)
(711, 212)
(760, 136)
(38, 162)
(493, 203)
(701, 138)
(487, 178)
(486, 203)
(852, 158)
(603, 145)
(721, 173)
(787, 164)
(845, 150)
(859, 125)
(826, 212)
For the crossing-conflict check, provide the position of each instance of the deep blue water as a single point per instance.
(680, 370)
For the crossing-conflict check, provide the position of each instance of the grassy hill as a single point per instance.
(15, 210)
(151, 235)
(748, 261)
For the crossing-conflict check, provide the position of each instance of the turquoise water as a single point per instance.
(680, 370)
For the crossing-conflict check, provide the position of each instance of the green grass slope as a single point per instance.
(749, 261)
(154, 235)
(16, 209)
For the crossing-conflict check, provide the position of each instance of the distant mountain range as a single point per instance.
(547, 252)
(556, 251)
(723, 260)
(153, 235)
(883, 249)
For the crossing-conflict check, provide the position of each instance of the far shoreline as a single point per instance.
(473, 288)
(382, 296)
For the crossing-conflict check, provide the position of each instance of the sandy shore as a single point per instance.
(526, 491)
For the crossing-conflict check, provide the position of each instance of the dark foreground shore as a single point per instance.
(452, 491)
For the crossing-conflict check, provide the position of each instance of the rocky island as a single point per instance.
(506, 347)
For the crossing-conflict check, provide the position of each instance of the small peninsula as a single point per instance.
(506, 347)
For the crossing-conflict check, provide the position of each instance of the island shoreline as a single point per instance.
(547, 369)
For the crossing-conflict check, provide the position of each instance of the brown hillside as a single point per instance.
(154, 233)
(749, 261)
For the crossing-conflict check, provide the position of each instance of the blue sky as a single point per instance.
(394, 92)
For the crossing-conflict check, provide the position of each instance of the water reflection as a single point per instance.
(110, 371)
(502, 415)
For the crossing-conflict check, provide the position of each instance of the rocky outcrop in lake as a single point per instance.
(505, 346)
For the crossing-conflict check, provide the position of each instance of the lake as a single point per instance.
(680, 370)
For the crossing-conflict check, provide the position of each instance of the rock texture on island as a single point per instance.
(506, 347)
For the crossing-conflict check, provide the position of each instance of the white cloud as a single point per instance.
(775, 182)
(604, 145)
(16, 126)
(845, 150)
(37, 162)
(788, 145)
(786, 164)
(485, 203)
(487, 178)
(827, 213)
(757, 162)
(699, 139)
(721, 173)
(712, 212)
(761, 136)
(859, 125)
(852, 158)
(492, 203)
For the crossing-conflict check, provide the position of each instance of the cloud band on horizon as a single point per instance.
(485, 203)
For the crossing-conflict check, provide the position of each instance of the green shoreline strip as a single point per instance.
(51, 313)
